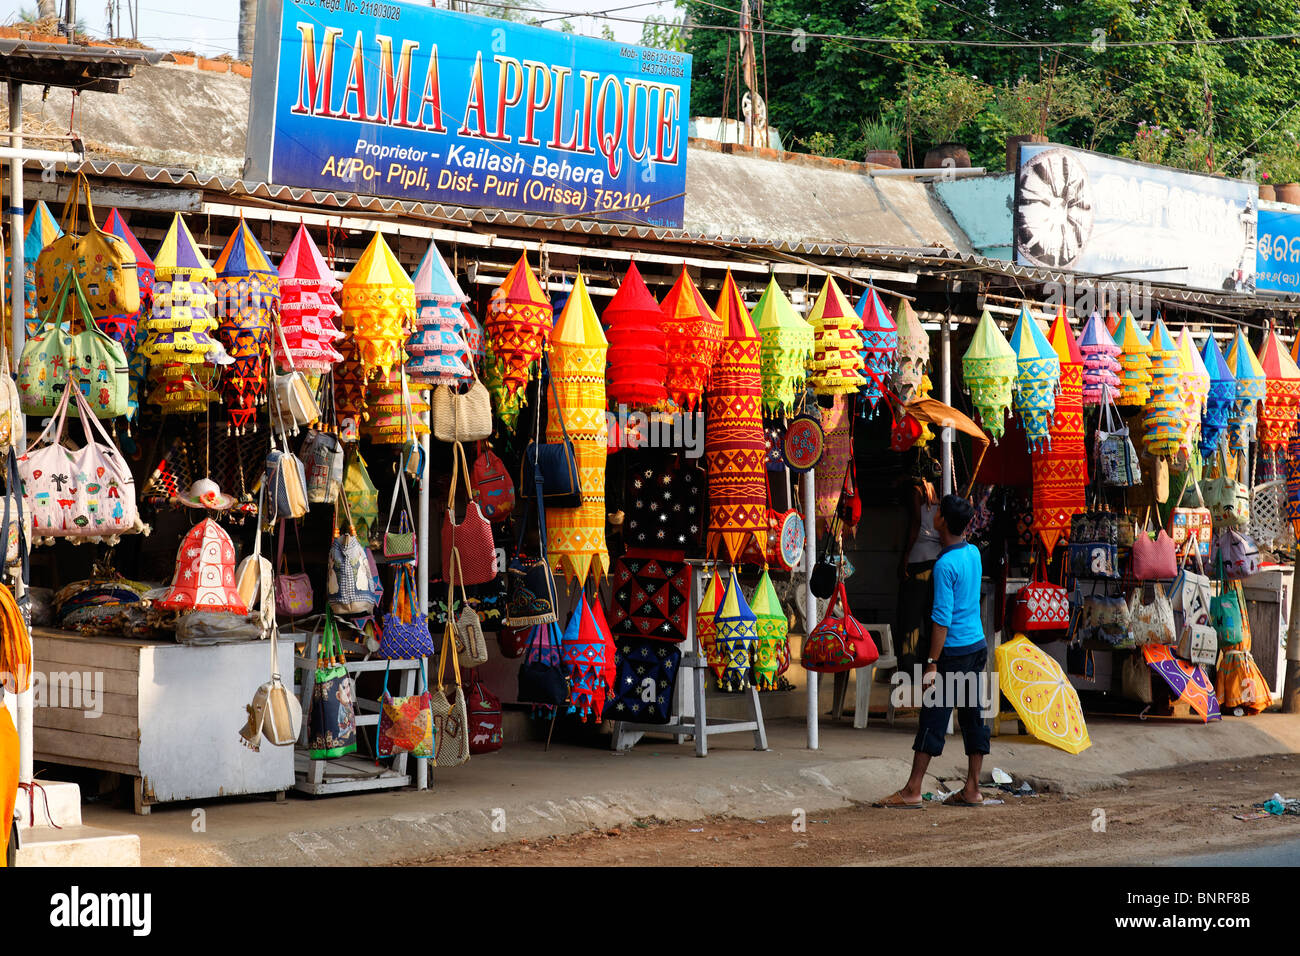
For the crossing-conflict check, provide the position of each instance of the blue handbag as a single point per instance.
(405, 631)
(551, 468)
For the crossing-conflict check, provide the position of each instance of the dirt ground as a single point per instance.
(1158, 814)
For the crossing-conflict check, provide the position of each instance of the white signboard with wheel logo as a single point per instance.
(1089, 213)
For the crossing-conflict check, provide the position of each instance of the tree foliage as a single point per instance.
(1237, 98)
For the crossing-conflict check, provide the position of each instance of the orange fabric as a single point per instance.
(8, 779)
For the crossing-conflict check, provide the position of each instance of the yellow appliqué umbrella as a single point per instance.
(1042, 695)
(837, 362)
(578, 347)
(735, 450)
(787, 347)
(1134, 363)
(378, 308)
(989, 369)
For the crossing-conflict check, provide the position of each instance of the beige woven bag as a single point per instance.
(462, 418)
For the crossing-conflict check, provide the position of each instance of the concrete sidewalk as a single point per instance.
(532, 794)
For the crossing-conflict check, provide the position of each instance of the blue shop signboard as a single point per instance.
(415, 103)
(1277, 257)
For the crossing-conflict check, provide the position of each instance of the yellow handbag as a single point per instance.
(103, 263)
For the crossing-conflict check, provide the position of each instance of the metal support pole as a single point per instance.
(18, 305)
(810, 601)
(945, 395)
(422, 568)
(1291, 687)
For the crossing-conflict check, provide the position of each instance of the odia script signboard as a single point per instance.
(398, 100)
(1091, 213)
(1277, 262)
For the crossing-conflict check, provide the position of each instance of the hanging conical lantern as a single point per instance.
(771, 630)
(308, 309)
(737, 636)
(577, 535)
(204, 579)
(913, 352)
(182, 389)
(989, 369)
(837, 364)
(475, 337)
(734, 446)
(787, 347)
(706, 622)
(1101, 368)
(879, 344)
(1038, 373)
(1194, 385)
(39, 229)
(248, 298)
(1135, 363)
(505, 407)
(378, 307)
(1251, 389)
(1220, 398)
(1162, 417)
(638, 356)
(582, 655)
(1060, 471)
(519, 324)
(178, 326)
(1277, 418)
(122, 328)
(693, 336)
(1293, 483)
(438, 350)
(1112, 324)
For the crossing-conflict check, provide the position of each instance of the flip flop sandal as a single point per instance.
(895, 802)
(958, 802)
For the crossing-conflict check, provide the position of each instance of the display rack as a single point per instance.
(690, 708)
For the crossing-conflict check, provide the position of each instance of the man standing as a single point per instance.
(955, 661)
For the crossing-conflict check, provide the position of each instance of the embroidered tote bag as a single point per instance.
(406, 723)
(332, 726)
(450, 715)
(405, 630)
(839, 642)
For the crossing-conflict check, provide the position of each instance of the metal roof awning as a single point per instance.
(72, 66)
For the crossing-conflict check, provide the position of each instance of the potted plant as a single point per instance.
(1266, 190)
(939, 104)
(1031, 108)
(879, 141)
(1282, 166)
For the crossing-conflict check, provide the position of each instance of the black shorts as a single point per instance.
(958, 684)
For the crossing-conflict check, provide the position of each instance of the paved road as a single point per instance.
(1275, 854)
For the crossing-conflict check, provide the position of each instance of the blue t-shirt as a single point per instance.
(957, 596)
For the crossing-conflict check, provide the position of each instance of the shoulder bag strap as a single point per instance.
(392, 507)
(555, 397)
(284, 344)
(53, 432)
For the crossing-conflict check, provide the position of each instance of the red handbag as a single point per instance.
(472, 538)
(513, 640)
(839, 642)
(496, 492)
(1040, 605)
(484, 710)
(1154, 559)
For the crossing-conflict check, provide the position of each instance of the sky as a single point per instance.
(172, 24)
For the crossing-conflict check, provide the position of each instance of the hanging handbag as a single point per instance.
(542, 679)
(1094, 545)
(471, 645)
(275, 712)
(1192, 520)
(1135, 679)
(1227, 616)
(450, 716)
(83, 493)
(294, 596)
(405, 631)
(1236, 554)
(1105, 618)
(292, 393)
(1198, 643)
(645, 681)
(804, 443)
(531, 595)
(322, 459)
(400, 545)
(826, 572)
(651, 599)
(1268, 524)
(472, 537)
(362, 496)
(1227, 498)
(1191, 593)
(332, 725)
(1154, 556)
(496, 492)
(838, 643)
(13, 421)
(17, 520)
(104, 264)
(1040, 605)
(255, 577)
(93, 361)
(554, 463)
(458, 417)
(406, 723)
(485, 718)
(1117, 459)
(352, 582)
(512, 641)
(1152, 622)
(285, 479)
